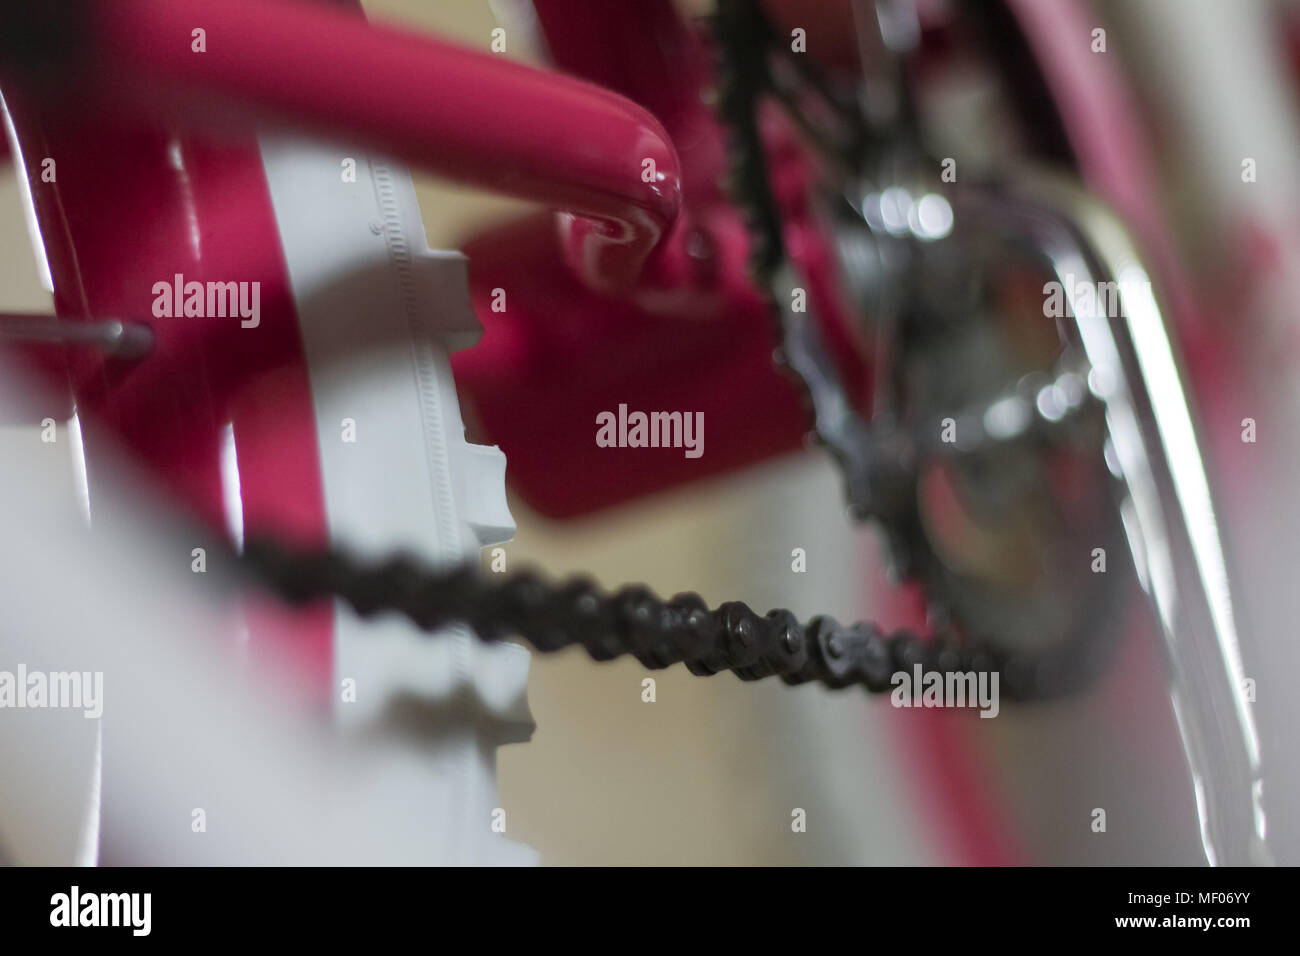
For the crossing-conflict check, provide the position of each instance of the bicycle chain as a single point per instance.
(744, 41)
(632, 620)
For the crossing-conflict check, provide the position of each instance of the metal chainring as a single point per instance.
(928, 344)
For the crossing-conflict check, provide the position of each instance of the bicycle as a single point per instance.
(669, 282)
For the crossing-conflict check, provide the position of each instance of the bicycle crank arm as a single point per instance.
(1168, 512)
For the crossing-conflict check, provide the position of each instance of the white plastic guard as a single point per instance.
(379, 313)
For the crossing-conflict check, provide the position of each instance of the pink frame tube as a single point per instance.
(475, 118)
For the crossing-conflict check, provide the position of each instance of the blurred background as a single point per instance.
(711, 771)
